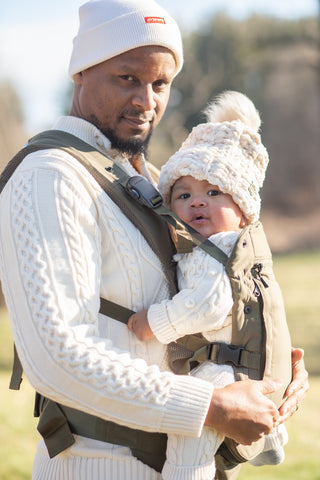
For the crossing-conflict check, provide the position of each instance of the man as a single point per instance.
(64, 244)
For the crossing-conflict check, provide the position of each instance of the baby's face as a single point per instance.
(204, 207)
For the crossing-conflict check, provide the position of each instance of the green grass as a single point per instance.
(18, 434)
(299, 278)
(302, 451)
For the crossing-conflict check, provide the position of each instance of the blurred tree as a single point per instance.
(12, 133)
(275, 63)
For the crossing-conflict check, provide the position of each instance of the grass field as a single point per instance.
(299, 277)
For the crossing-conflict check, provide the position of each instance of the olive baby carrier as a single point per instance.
(260, 346)
(260, 340)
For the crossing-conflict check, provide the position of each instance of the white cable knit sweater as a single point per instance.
(63, 244)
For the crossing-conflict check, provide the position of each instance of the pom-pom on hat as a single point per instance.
(226, 151)
(111, 27)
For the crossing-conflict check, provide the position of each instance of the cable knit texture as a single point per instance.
(63, 244)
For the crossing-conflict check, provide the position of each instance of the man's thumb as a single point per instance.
(270, 386)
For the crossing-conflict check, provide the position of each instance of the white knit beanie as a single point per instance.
(227, 152)
(111, 27)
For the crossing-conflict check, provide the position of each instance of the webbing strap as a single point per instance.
(145, 194)
(111, 178)
(97, 164)
(59, 423)
(223, 353)
(197, 238)
(194, 348)
(17, 370)
(114, 310)
(108, 308)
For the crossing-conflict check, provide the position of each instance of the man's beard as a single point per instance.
(130, 147)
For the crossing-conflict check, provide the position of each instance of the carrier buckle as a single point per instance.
(223, 353)
(142, 191)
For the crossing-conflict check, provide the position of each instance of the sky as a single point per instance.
(36, 42)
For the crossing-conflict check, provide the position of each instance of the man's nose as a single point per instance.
(144, 98)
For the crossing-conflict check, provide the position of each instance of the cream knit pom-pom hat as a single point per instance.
(227, 152)
(111, 27)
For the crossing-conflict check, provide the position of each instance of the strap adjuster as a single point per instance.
(223, 353)
(141, 190)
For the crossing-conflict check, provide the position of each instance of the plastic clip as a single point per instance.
(141, 190)
(226, 354)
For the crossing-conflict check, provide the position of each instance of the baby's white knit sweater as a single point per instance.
(202, 305)
(63, 244)
(204, 301)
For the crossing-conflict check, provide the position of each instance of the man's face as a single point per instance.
(126, 96)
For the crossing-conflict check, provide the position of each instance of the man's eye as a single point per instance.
(159, 84)
(129, 78)
(213, 193)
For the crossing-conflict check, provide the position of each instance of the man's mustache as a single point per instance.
(143, 118)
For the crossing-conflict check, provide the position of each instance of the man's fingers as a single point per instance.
(297, 355)
(270, 386)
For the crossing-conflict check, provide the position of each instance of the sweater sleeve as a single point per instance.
(203, 303)
(50, 259)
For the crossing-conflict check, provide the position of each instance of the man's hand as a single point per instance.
(139, 325)
(297, 389)
(242, 411)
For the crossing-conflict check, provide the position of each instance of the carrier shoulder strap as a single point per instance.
(111, 178)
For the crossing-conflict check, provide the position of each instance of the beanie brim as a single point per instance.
(123, 33)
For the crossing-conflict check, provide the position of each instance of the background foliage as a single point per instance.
(277, 64)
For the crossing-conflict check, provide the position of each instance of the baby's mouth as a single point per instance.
(199, 219)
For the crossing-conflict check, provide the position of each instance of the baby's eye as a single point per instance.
(183, 196)
(213, 193)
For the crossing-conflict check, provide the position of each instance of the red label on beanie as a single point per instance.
(154, 20)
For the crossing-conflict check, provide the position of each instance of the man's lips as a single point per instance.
(138, 122)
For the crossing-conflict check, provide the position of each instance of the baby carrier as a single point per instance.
(260, 345)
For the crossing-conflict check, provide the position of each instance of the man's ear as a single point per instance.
(77, 78)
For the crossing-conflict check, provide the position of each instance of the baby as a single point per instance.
(212, 183)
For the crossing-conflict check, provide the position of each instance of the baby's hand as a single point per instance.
(138, 324)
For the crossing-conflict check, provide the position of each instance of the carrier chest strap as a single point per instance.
(194, 348)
